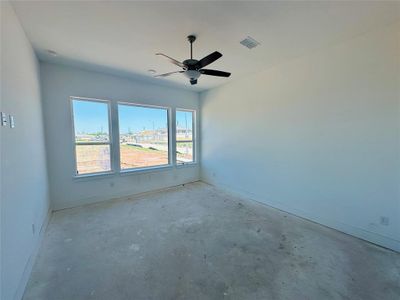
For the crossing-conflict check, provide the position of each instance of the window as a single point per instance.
(92, 136)
(143, 135)
(143, 132)
(184, 136)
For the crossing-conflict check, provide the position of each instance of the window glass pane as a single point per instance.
(91, 124)
(184, 122)
(92, 158)
(143, 135)
(184, 136)
(90, 121)
(184, 152)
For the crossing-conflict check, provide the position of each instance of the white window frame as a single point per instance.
(114, 138)
(194, 137)
(110, 137)
(169, 127)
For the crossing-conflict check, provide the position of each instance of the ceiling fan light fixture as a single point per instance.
(192, 74)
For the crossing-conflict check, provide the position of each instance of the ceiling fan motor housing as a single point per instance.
(190, 64)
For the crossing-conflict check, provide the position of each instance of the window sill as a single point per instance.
(144, 170)
(186, 165)
(128, 172)
(92, 175)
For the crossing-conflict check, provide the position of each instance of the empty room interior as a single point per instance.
(165, 150)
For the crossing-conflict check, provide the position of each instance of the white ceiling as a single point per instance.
(122, 37)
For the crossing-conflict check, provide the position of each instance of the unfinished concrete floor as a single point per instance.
(196, 242)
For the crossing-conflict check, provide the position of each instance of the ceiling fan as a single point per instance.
(193, 68)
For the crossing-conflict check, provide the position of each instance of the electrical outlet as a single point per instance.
(384, 221)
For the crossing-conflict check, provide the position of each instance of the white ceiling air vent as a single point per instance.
(249, 42)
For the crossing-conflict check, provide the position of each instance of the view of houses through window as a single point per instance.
(143, 136)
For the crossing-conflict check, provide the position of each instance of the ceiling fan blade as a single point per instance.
(214, 73)
(208, 59)
(193, 82)
(172, 60)
(167, 74)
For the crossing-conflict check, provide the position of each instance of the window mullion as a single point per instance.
(194, 136)
(173, 136)
(114, 135)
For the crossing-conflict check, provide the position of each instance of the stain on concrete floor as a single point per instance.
(197, 242)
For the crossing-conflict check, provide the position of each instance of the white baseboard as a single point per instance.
(120, 195)
(29, 265)
(357, 232)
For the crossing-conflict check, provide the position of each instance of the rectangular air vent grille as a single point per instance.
(249, 42)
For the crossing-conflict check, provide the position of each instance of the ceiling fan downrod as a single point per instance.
(191, 39)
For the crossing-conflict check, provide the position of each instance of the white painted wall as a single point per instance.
(24, 187)
(318, 136)
(58, 84)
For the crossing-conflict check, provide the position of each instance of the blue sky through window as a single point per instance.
(136, 118)
(184, 119)
(90, 117)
